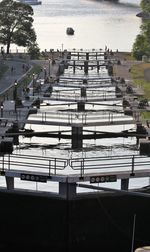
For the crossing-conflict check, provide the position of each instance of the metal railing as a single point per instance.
(79, 166)
(80, 117)
(17, 162)
(130, 163)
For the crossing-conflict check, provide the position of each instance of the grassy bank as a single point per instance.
(137, 72)
(138, 75)
(36, 69)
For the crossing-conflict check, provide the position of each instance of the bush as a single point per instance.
(34, 51)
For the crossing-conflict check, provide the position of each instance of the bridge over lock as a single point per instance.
(73, 172)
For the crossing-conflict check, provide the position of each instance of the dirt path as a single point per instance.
(147, 74)
(123, 70)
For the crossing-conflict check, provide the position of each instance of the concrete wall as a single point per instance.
(50, 223)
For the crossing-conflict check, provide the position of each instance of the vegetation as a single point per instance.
(137, 72)
(128, 56)
(34, 51)
(28, 78)
(141, 45)
(145, 5)
(16, 24)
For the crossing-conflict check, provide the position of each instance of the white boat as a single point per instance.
(31, 2)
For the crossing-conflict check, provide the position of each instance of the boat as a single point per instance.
(31, 2)
(70, 31)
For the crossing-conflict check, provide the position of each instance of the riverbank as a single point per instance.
(137, 72)
(123, 70)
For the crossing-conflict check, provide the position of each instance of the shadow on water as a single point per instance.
(86, 148)
(122, 3)
(28, 146)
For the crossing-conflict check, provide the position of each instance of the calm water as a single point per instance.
(96, 24)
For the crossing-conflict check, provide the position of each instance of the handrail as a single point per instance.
(32, 163)
(82, 166)
(110, 164)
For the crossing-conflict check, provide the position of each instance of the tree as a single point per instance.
(34, 51)
(145, 28)
(145, 5)
(140, 47)
(16, 24)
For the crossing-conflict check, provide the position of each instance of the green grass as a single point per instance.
(28, 78)
(145, 115)
(128, 56)
(137, 72)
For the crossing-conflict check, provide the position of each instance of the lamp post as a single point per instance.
(33, 80)
(45, 73)
(49, 67)
(2, 107)
(15, 94)
(15, 91)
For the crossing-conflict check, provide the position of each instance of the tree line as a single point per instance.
(141, 46)
(16, 26)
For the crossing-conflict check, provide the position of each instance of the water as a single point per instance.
(96, 24)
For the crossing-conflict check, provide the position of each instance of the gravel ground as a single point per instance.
(123, 70)
(147, 74)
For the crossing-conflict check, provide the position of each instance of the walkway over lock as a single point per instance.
(71, 171)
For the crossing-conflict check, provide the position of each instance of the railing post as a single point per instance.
(67, 190)
(3, 163)
(82, 168)
(124, 184)
(132, 171)
(8, 161)
(67, 163)
(55, 166)
(85, 118)
(49, 167)
(111, 117)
